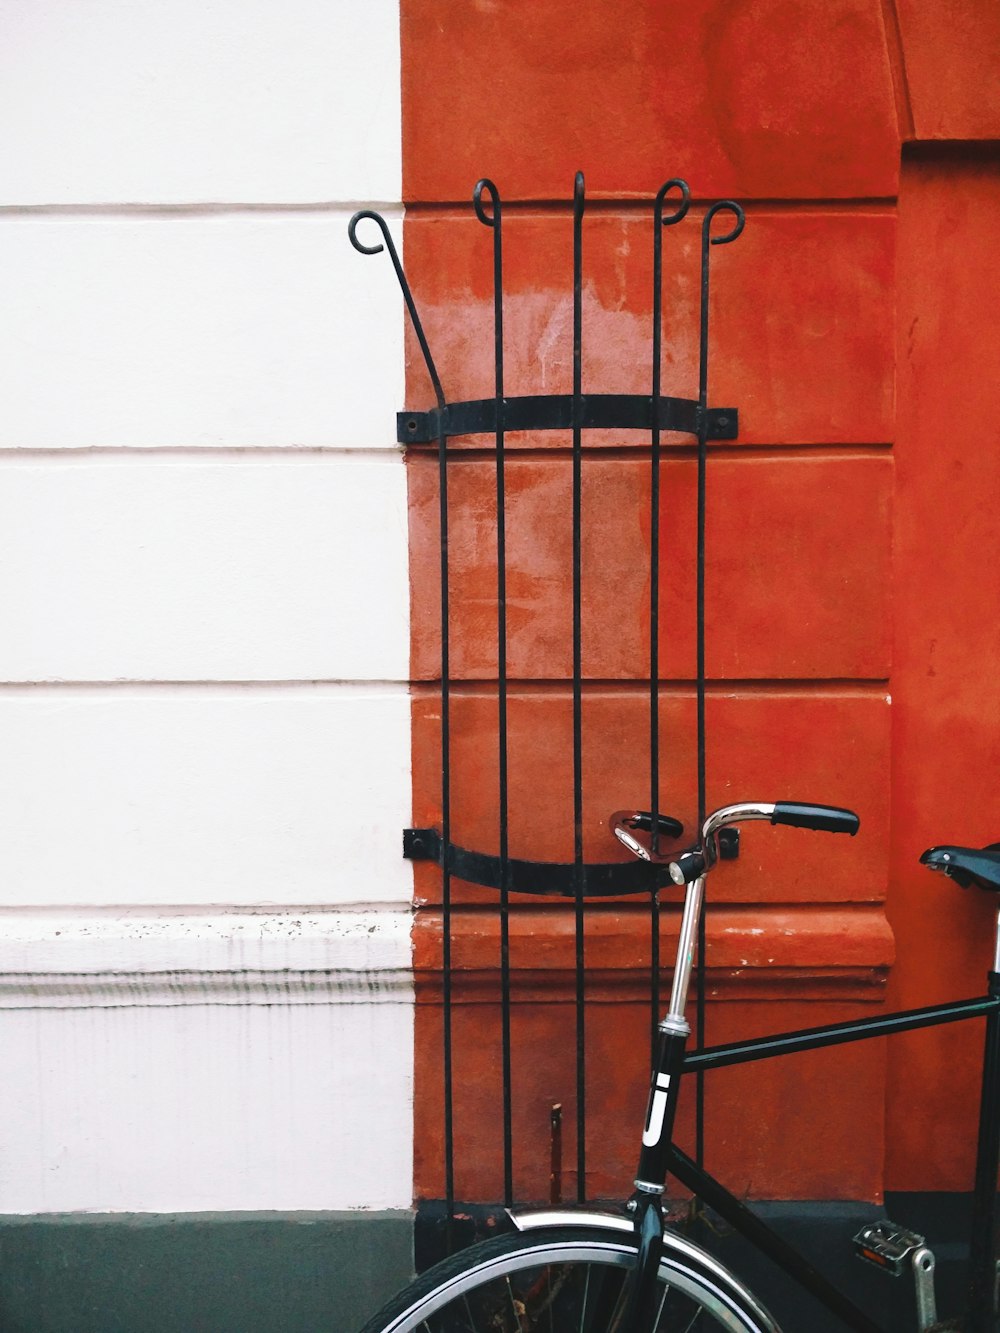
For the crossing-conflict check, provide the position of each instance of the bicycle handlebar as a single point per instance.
(634, 829)
(799, 814)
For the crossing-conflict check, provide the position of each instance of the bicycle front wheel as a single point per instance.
(567, 1280)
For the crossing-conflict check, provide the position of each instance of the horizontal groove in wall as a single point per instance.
(516, 451)
(156, 688)
(874, 687)
(642, 204)
(27, 922)
(207, 455)
(319, 208)
(635, 911)
(390, 452)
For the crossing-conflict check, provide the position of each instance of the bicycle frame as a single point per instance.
(660, 1156)
(978, 1312)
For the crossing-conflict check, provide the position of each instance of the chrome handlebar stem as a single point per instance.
(690, 869)
(736, 814)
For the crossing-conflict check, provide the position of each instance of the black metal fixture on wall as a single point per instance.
(654, 413)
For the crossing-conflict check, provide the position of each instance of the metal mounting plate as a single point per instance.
(614, 411)
(601, 880)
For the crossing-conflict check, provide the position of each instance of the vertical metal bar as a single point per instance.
(555, 1154)
(699, 1122)
(654, 618)
(982, 1246)
(446, 997)
(581, 1090)
(446, 994)
(660, 220)
(707, 241)
(494, 219)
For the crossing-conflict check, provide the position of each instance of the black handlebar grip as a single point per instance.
(829, 818)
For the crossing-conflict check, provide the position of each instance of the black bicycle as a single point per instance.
(565, 1271)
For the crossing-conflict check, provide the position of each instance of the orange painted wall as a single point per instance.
(827, 556)
(946, 599)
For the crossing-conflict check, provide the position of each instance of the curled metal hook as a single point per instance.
(668, 219)
(493, 194)
(728, 206)
(707, 241)
(578, 196)
(418, 328)
(379, 220)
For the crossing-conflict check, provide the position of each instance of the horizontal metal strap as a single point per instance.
(611, 411)
(603, 880)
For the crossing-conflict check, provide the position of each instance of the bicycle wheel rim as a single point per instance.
(566, 1283)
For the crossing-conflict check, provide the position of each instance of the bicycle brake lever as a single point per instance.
(634, 830)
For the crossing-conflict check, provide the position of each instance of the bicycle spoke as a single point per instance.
(513, 1306)
(696, 1317)
(659, 1313)
(468, 1321)
(618, 1312)
(586, 1298)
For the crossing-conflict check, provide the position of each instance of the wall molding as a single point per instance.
(103, 958)
(819, 950)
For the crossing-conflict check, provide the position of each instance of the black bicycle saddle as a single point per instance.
(967, 865)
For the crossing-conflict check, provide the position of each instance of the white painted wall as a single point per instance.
(193, 328)
(224, 1057)
(202, 795)
(277, 568)
(180, 101)
(204, 716)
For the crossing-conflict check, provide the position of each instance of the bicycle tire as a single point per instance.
(563, 1280)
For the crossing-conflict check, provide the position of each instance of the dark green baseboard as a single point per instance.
(200, 1272)
(327, 1272)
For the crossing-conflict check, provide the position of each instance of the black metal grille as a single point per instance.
(577, 412)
